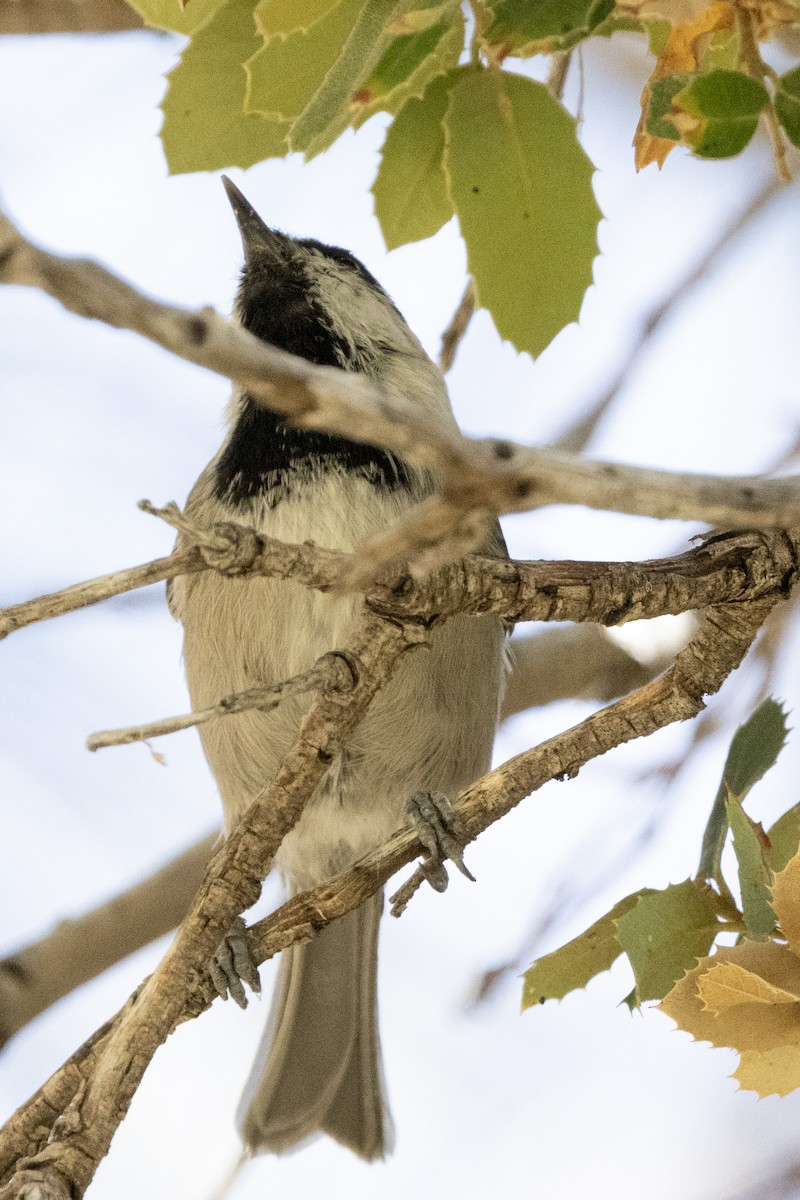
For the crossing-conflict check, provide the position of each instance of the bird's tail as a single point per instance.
(318, 1068)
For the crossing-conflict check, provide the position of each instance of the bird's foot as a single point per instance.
(439, 828)
(232, 967)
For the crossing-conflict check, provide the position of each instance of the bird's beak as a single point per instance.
(255, 233)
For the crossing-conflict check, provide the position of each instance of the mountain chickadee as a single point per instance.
(430, 729)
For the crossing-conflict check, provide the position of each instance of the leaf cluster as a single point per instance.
(470, 138)
(745, 996)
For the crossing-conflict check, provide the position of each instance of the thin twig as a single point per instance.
(92, 591)
(329, 670)
(453, 334)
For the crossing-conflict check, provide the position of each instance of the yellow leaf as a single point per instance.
(649, 149)
(677, 12)
(743, 1026)
(691, 28)
(686, 41)
(769, 1071)
(725, 985)
(786, 901)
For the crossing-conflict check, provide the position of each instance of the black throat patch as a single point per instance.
(263, 455)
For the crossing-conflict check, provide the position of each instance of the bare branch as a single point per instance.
(73, 1151)
(453, 335)
(474, 476)
(232, 884)
(580, 662)
(330, 670)
(80, 949)
(92, 591)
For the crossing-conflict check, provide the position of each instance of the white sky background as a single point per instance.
(571, 1099)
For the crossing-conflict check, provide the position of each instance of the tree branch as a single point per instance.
(330, 670)
(66, 1163)
(725, 567)
(580, 662)
(232, 884)
(78, 950)
(475, 477)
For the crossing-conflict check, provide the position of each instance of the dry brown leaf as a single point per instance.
(786, 901)
(769, 1071)
(743, 1026)
(726, 985)
(682, 51)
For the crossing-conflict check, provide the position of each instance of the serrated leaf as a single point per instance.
(745, 1026)
(573, 965)
(726, 985)
(718, 112)
(787, 104)
(410, 189)
(785, 892)
(522, 188)
(288, 16)
(205, 126)
(679, 48)
(754, 749)
(784, 839)
(409, 64)
(754, 874)
(327, 113)
(665, 933)
(527, 27)
(174, 16)
(769, 1072)
(288, 71)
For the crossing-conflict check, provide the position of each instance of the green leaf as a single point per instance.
(327, 113)
(573, 965)
(408, 66)
(665, 933)
(723, 52)
(754, 874)
(658, 31)
(288, 71)
(288, 16)
(787, 104)
(784, 839)
(754, 749)
(726, 105)
(527, 27)
(421, 18)
(522, 188)
(169, 14)
(204, 124)
(410, 189)
(662, 93)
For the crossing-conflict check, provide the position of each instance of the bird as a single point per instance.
(430, 730)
